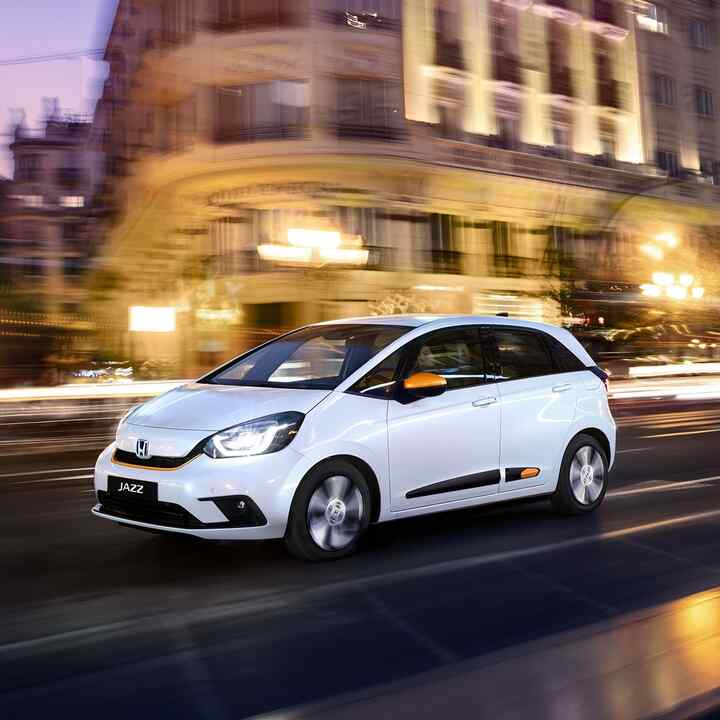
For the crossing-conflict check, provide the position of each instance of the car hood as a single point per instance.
(209, 408)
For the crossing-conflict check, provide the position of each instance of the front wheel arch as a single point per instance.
(367, 472)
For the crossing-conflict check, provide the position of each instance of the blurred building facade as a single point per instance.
(283, 161)
(50, 219)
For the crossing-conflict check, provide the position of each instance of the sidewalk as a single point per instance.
(658, 663)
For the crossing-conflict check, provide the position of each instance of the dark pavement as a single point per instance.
(100, 619)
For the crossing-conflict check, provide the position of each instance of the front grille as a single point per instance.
(158, 461)
(155, 513)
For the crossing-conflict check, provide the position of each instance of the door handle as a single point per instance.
(562, 388)
(484, 401)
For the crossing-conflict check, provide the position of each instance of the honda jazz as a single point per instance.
(323, 431)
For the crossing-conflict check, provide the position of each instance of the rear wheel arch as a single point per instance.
(598, 435)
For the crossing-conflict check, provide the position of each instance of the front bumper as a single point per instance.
(186, 495)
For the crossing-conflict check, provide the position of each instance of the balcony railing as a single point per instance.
(257, 133)
(368, 131)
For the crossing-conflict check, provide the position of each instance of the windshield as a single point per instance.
(317, 357)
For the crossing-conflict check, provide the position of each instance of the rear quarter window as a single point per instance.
(565, 359)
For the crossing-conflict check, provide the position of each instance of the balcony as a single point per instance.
(607, 20)
(557, 10)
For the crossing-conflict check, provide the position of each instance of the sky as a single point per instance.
(43, 27)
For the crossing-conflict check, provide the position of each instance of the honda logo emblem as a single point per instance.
(142, 449)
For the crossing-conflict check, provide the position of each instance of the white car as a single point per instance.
(316, 434)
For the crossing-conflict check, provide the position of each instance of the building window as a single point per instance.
(561, 139)
(668, 161)
(652, 17)
(256, 14)
(369, 108)
(28, 168)
(176, 19)
(710, 170)
(508, 131)
(700, 36)
(703, 101)
(31, 201)
(263, 111)
(73, 266)
(664, 87)
(72, 201)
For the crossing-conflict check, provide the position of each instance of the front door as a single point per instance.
(445, 449)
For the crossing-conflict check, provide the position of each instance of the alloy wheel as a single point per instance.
(335, 513)
(587, 475)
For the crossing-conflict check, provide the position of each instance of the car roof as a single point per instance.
(418, 320)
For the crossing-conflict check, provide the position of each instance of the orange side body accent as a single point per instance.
(529, 473)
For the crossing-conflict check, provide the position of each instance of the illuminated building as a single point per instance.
(453, 155)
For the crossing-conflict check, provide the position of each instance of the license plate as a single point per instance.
(137, 489)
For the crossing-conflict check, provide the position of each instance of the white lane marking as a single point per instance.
(629, 450)
(678, 434)
(663, 486)
(44, 472)
(284, 597)
(50, 480)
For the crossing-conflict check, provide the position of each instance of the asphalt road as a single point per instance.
(97, 619)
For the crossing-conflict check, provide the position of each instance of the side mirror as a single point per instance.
(425, 384)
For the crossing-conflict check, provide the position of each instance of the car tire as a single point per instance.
(583, 478)
(330, 512)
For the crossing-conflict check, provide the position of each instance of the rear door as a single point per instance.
(537, 406)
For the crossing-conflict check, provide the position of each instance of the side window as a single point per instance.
(456, 354)
(565, 360)
(521, 354)
(380, 381)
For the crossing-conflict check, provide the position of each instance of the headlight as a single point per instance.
(256, 437)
